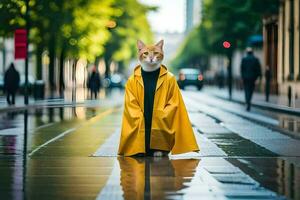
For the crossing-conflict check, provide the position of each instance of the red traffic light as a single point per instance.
(226, 44)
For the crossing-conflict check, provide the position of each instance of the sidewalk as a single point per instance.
(276, 103)
(80, 97)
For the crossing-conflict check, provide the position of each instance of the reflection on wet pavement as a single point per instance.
(140, 178)
(42, 125)
(281, 175)
(61, 141)
(154, 178)
(52, 170)
(208, 178)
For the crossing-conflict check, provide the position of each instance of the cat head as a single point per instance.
(150, 55)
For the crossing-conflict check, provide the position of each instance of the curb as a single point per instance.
(37, 105)
(265, 106)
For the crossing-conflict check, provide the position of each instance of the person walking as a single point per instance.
(94, 83)
(268, 82)
(11, 83)
(250, 71)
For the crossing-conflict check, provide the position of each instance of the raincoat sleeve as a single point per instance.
(131, 120)
(174, 119)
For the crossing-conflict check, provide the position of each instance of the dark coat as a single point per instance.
(11, 80)
(250, 67)
(94, 82)
(268, 75)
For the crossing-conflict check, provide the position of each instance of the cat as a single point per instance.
(150, 56)
(169, 114)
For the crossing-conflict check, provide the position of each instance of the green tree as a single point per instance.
(224, 20)
(74, 28)
(229, 20)
(12, 15)
(87, 29)
(131, 24)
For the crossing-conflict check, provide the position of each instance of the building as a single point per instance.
(270, 49)
(288, 45)
(193, 14)
(171, 44)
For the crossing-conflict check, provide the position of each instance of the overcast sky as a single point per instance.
(169, 17)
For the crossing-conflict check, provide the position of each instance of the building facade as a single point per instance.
(270, 50)
(288, 45)
(192, 14)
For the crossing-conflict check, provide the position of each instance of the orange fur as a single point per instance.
(150, 55)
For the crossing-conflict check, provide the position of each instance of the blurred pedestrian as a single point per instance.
(250, 71)
(94, 83)
(220, 76)
(268, 82)
(11, 83)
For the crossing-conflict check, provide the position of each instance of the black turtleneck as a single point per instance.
(149, 80)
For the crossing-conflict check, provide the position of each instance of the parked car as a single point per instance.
(190, 76)
(115, 81)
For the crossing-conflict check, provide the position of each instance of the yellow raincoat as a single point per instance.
(171, 128)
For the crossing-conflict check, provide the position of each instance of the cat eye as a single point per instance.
(156, 53)
(146, 53)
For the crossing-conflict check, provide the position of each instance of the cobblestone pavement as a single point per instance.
(72, 154)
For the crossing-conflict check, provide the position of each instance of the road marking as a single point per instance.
(43, 126)
(107, 112)
(52, 140)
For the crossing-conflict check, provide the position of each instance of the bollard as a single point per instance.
(290, 95)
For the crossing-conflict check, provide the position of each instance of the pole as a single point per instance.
(229, 73)
(26, 59)
(25, 154)
(3, 56)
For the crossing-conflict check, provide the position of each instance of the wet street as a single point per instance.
(72, 154)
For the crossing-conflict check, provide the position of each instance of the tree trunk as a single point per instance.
(61, 72)
(107, 65)
(121, 66)
(3, 56)
(97, 60)
(39, 66)
(52, 63)
(74, 80)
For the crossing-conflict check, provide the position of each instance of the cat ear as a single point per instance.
(160, 44)
(140, 44)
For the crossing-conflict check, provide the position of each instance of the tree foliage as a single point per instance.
(12, 13)
(131, 25)
(87, 29)
(229, 20)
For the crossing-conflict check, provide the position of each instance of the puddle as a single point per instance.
(277, 174)
(39, 125)
(235, 145)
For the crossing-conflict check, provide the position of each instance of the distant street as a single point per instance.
(72, 154)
